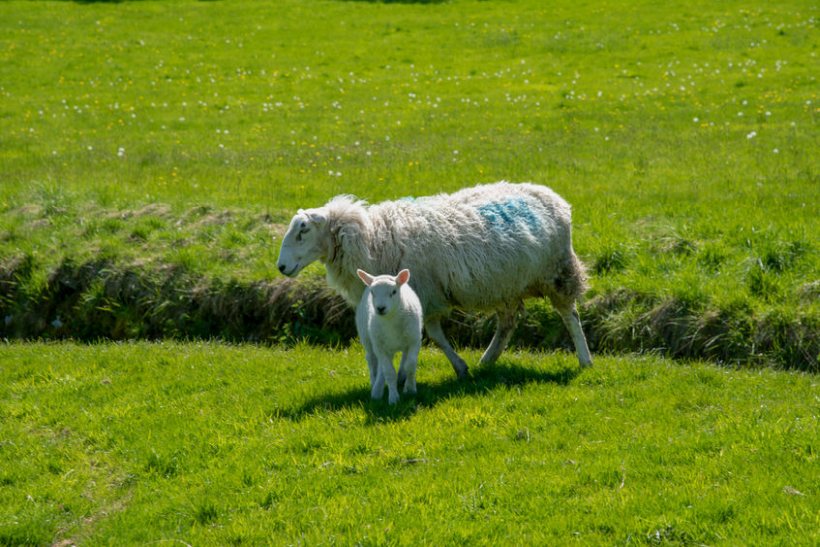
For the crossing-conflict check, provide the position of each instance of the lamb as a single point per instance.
(487, 247)
(389, 319)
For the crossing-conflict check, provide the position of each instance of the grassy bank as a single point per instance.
(213, 444)
(208, 273)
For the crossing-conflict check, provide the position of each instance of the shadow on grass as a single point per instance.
(482, 380)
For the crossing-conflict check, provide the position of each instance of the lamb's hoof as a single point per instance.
(463, 374)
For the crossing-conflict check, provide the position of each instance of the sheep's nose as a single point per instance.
(282, 268)
(381, 310)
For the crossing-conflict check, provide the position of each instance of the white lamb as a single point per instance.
(482, 248)
(389, 320)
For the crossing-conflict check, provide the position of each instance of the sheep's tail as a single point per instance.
(573, 278)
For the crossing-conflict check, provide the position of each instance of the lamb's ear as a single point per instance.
(403, 277)
(365, 277)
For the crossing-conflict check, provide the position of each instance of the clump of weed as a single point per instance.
(610, 260)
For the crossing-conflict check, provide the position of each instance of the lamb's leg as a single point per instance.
(376, 375)
(388, 374)
(504, 327)
(434, 331)
(569, 314)
(372, 364)
(409, 362)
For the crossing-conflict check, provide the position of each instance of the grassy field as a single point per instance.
(157, 137)
(152, 152)
(208, 444)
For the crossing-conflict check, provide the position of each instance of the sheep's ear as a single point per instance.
(403, 277)
(316, 216)
(365, 277)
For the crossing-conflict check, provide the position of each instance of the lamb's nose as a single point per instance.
(282, 268)
(380, 309)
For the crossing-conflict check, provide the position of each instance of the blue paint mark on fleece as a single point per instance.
(504, 215)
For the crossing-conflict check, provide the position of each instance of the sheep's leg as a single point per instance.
(388, 375)
(409, 363)
(434, 331)
(504, 327)
(569, 314)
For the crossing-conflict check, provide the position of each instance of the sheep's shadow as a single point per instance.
(482, 380)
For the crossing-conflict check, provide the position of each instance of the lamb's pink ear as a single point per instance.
(403, 277)
(365, 277)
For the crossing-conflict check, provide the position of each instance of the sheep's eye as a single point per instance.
(394, 292)
(303, 229)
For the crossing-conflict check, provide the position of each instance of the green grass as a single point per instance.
(683, 136)
(151, 152)
(208, 444)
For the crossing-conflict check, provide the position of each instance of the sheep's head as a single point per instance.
(385, 290)
(302, 243)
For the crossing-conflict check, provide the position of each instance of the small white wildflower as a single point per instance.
(696, 119)
(120, 152)
(751, 135)
(775, 151)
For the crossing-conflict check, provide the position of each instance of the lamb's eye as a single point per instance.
(394, 292)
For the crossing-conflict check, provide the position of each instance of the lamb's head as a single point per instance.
(303, 242)
(385, 290)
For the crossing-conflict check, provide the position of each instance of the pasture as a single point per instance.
(209, 444)
(151, 154)
(168, 141)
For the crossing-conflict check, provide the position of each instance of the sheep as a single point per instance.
(487, 247)
(389, 319)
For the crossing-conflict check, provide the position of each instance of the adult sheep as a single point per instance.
(482, 248)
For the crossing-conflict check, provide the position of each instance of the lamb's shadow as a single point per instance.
(482, 380)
